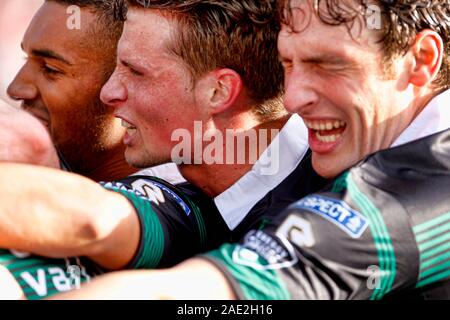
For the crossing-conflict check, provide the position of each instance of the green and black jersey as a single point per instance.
(381, 230)
(173, 228)
(43, 277)
(176, 223)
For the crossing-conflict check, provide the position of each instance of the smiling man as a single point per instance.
(59, 85)
(376, 103)
(61, 80)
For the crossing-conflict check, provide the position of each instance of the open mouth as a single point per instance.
(130, 128)
(327, 131)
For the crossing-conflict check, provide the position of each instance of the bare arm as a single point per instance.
(10, 288)
(193, 279)
(24, 139)
(53, 213)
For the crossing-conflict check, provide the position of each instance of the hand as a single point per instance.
(24, 139)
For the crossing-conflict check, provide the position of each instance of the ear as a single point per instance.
(226, 86)
(428, 51)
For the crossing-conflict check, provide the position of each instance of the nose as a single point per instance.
(23, 87)
(114, 92)
(299, 92)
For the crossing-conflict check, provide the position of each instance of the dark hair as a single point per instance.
(106, 11)
(108, 29)
(402, 20)
(236, 34)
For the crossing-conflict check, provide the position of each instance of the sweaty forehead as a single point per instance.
(49, 31)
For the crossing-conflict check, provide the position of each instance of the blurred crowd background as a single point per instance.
(15, 16)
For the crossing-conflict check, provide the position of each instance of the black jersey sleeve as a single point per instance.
(381, 230)
(335, 244)
(172, 226)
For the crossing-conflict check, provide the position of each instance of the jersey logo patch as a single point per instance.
(180, 201)
(148, 190)
(262, 251)
(338, 212)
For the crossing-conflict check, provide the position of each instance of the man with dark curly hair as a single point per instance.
(376, 104)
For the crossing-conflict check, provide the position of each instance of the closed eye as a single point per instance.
(131, 68)
(49, 69)
(287, 65)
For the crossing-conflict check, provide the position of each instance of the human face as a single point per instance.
(335, 82)
(151, 89)
(60, 84)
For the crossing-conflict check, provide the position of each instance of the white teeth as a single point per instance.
(327, 139)
(325, 125)
(127, 125)
(131, 131)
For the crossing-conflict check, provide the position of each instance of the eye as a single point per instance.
(287, 65)
(49, 69)
(135, 72)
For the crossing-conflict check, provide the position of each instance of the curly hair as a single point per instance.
(402, 20)
(236, 34)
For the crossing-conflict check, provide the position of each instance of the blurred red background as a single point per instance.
(15, 16)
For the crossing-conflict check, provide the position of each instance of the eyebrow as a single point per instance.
(47, 53)
(326, 58)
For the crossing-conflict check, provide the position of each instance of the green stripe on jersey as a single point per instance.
(340, 183)
(431, 223)
(41, 277)
(433, 240)
(153, 235)
(200, 222)
(431, 233)
(255, 284)
(381, 237)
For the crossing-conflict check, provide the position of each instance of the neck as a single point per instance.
(214, 179)
(112, 166)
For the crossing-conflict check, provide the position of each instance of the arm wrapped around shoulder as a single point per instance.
(24, 139)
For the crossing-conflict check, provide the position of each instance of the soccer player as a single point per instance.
(59, 85)
(229, 78)
(376, 102)
(61, 80)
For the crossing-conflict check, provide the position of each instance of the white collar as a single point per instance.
(168, 172)
(291, 145)
(433, 119)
